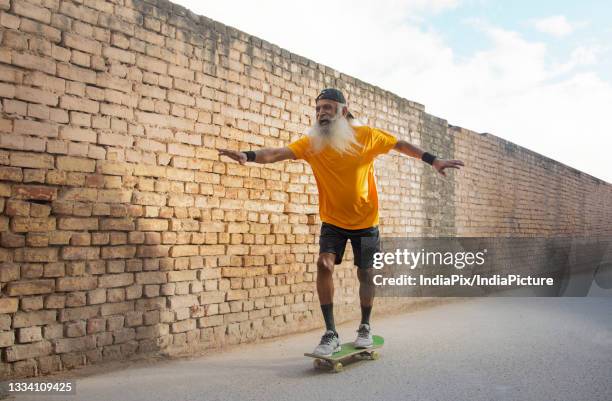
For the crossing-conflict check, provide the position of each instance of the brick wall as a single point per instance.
(123, 233)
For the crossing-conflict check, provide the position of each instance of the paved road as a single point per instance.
(476, 349)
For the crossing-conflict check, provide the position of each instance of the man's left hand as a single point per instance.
(441, 164)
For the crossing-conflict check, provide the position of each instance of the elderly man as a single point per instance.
(341, 154)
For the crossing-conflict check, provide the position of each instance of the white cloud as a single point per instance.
(512, 89)
(556, 25)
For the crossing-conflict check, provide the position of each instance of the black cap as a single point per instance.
(333, 94)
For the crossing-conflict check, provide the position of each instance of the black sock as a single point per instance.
(328, 315)
(365, 314)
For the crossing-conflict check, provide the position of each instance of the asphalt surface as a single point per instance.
(473, 349)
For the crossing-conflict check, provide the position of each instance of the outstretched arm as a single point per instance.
(267, 155)
(408, 149)
(413, 151)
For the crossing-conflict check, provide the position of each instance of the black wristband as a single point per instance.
(250, 155)
(428, 158)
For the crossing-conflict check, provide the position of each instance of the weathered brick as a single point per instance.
(36, 254)
(69, 163)
(15, 40)
(34, 176)
(7, 338)
(31, 287)
(64, 345)
(17, 208)
(26, 351)
(76, 283)
(96, 325)
(75, 223)
(34, 95)
(78, 194)
(80, 253)
(19, 141)
(29, 334)
(211, 321)
(114, 168)
(148, 198)
(76, 329)
(30, 127)
(119, 54)
(32, 303)
(180, 200)
(212, 297)
(23, 8)
(37, 318)
(8, 305)
(149, 171)
(31, 61)
(9, 240)
(182, 275)
(115, 139)
(116, 280)
(11, 174)
(164, 121)
(82, 43)
(183, 325)
(80, 104)
(119, 252)
(32, 224)
(236, 294)
(18, 108)
(151, 64)
(152, 225)
(40, 210)
(182, 301)
(117, 224)
(151, 278)
(81, 13)
(152, 251)
(8, 20)
(79, 313)
(124, 335)
(74, 73)
(38, 192)
(44, 81)
(5, 321)
(114, 195)
(117, 308)
(31, 160)
(9, 272)
(156, 330)
(184, 250)
(4, 226)
(77, 134)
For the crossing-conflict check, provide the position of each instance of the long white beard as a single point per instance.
(338, 134)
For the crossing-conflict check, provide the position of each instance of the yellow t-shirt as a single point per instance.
(346, 183)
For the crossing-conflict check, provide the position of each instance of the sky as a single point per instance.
(536, 73)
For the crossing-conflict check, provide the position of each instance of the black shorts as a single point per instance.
(365, 242)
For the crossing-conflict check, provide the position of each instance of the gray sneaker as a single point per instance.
(329, 344)
(364, 337)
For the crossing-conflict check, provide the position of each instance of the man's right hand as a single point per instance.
(240, 157)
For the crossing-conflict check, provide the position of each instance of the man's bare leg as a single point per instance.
(325, 287)
(366, 293)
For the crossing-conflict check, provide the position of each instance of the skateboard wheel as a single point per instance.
(337, 367)
(318, 364)
(374, 355)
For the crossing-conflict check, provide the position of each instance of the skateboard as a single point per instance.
(334, 362)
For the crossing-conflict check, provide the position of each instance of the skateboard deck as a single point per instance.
(334, 362)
